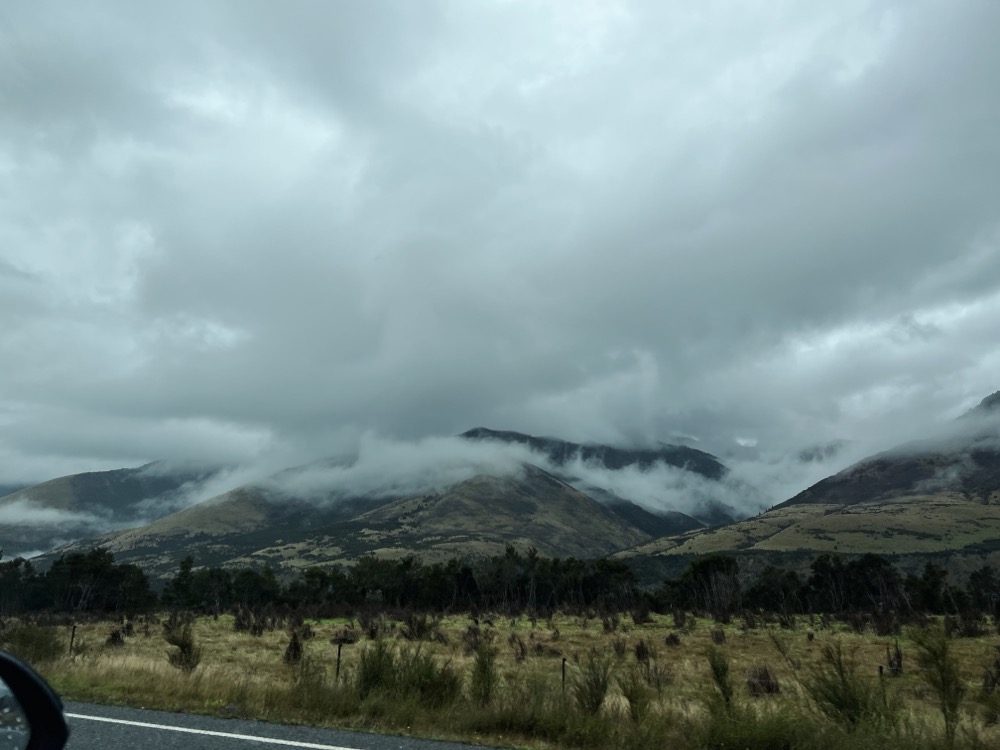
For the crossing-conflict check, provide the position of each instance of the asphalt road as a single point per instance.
(111, 728)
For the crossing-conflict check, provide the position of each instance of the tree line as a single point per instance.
(868, 583)
(513, 582)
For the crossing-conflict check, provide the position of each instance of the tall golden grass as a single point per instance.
(658, 695)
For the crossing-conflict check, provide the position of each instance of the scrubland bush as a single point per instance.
(719, 666)
(590, 686)
(485, 675)
(940, 671)
(293, 652)
(36, 644)
(846, 696)
(376, 669)
(188, 655)
(408, 672)
(635, 692)
(761, 681)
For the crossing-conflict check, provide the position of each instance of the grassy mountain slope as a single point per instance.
(475, 517)
(116, 490)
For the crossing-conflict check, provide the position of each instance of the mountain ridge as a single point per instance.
(609, 457)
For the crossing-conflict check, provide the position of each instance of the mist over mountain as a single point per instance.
(935, 498)
(10, 489)
(563, 452)
(58, 511)
(453, 495)
(960, 457)
(473, 493)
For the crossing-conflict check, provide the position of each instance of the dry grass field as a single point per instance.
(661, 690)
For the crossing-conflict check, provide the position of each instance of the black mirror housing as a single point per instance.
(41, 706)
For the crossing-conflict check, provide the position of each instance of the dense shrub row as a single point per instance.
(868, 587)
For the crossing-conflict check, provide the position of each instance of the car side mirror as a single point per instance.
(31, 714)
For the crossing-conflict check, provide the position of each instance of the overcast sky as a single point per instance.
(259, 230)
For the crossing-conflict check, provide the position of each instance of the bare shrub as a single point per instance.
(620, 647)
(116, 639)
(519, 647)
(177, 620)
(345, 637)
(787, 621)
(762, 681)
(894, 660)
(375, 626)
(857, 622)
(719, 666)
(293, 652)
(419, 627)
(188, 655)
(640, 613)
(885, 623)
(965, 625)
(643, 651)
(472, 638)
(246, 620)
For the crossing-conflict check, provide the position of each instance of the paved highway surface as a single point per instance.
(111, 728)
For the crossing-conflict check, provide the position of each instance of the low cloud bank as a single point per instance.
(25, 512)
(212, 482)
(384, 467)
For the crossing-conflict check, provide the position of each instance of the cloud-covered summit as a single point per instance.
(253, 234)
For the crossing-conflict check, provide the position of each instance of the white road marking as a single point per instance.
(230, 735)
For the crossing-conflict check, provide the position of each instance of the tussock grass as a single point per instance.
(613, 697)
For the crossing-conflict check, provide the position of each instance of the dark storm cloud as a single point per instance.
(252, 232)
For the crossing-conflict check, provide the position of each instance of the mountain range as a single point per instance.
(937, 497)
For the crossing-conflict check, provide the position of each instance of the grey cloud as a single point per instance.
(386, 467)
(24, 512)
(262, 232)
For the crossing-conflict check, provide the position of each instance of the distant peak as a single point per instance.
(478, 433)
(562, 452)
(990, 403)
(989, 406)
